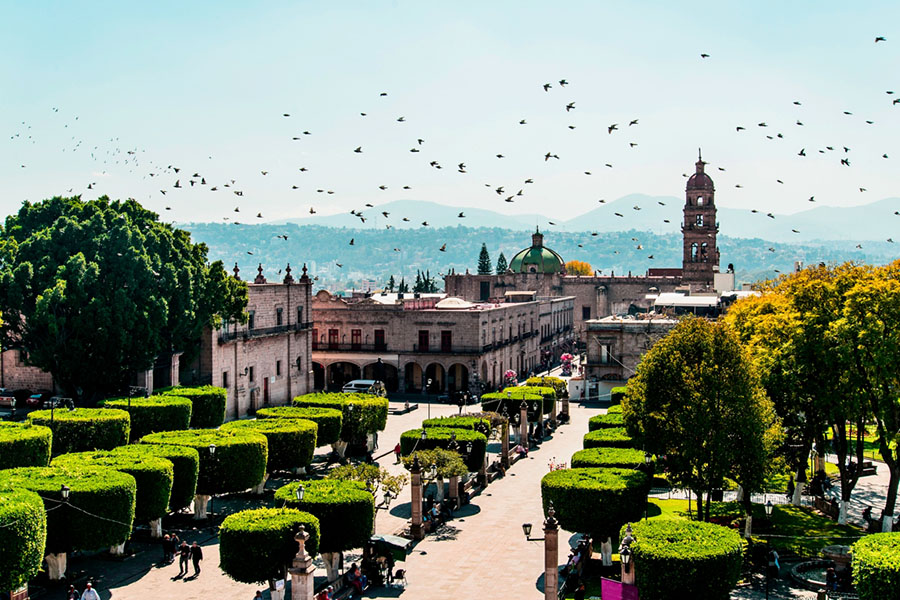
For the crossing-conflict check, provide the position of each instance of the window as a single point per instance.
(332, 339)
(356, 339)
(225, 379)
(279, 316)
(251, 321)
(700, 220)
(485, 290)
(299, 315)
(379, 340)
(694, 251)
(315, 339)
(278, 368)
(585, 312)
(700, 201)
(423, 341)
(251, 375)
(605, 357)
(446, 341)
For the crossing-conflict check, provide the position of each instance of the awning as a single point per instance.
(394, 544)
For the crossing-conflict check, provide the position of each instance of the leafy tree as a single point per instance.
(403, 288)
(106, 284)
(484, 261)
(579, 267)
(391, 284)
(372, 475)
(501, 264)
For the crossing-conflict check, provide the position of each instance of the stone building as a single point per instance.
(16, 374)
(456, 345)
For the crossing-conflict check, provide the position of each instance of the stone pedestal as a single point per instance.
(415, 472)
(156, 528)
(504, 445)
(553, 415)
(200, 503)
(454, 491)
(565, 406)
(551, 557)
(56, 566)
(523, 425)
(302, 571)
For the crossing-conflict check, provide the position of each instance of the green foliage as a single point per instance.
(502, 265)
(368, 415)
(606, 421)
(24, 445)
(259, 545)
(526, 391)
(439, 437)
(559, 385)
(479, 424)
(153, 476)
(610, 437)
(628, 458)
(685, 559)
(615, 409)
(876, 566)
(346, 511)
(84, 429)
(447, 462)
(185, 468)
(499, 402)
(238, 463)
(156, 413)
(100, 510)
(595, 501)
(208, 402)
(76, 274)
(292, 442)
(370, 474)
(484, 261)
(23, 533)
(425, 283)
(617, 394)
(328, 419)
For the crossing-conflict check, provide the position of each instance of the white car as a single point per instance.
(365, 386)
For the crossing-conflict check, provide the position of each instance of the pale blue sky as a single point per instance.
(203, 86)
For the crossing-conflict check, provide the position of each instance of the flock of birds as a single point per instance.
(173, 179)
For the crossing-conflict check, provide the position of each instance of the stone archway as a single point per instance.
(457, 378)
(412, 374)
(435, 372)
(340, 373)
(318, 376)
(388, 374)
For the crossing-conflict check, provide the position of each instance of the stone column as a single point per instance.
(454, 490)
(302, 570)
(565, 406)
(551, 556)
(523, 424)
(625, 550)
(504, 444)
(415, 472)
(553, 415)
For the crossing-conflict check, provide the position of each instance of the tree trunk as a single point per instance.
(740, 494)
(260, 488)
(799, 482)
(700, 506)
(606, 552)
(156, 528)
(892, 462)
(200, 502)
(340, 447)
(117, 550)
(332, 562)
(748, 511)
(439, 490)
(842, 515)
(708, 498)
(56, 566)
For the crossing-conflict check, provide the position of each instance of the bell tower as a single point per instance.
(699, 229)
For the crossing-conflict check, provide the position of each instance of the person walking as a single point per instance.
(196, 557)
(397, 453)
(184, 554)
(72, 594)
(90, 593)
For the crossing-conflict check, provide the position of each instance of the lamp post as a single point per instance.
(299, 492)
(64, 492)
(212, 455)
(551, 552)
(415, 473)
(626, 556)
(523, 424)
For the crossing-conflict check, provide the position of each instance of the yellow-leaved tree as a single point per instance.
(579, 267)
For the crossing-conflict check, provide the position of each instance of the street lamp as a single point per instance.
(468, 447)
(299, 492)
(769, 507)
(212, 455)
(424, 435)
(64, 492)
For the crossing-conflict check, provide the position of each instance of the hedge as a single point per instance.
(876, 566)
(24, 445)
(329, 420)
(677, 559)
(208, 404)
(616, 394)
(291, 442)
(156, 413)
(595, 501)
(559, 385)
(546, 393)
(346, 511)
(239, 462)
(101, 499)
(497, 402)
(369, 413)
(84, 429)
(439, 437)
(628, 458)
(185, 468)
(611, 437)
(479, 424)
(605, 421)
(23, 534)
(258, 545)
(615, 409)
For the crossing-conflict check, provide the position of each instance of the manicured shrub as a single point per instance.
(84, 429)
(612, 437)
(345, 511)
(292, 442)
(616, 394)
(239, 462)
(153, 476)
(559, 385)
(439, 437)
(615, 409)
(24, 445)
(686, 559)
(156, 413)
(546, 393)
(185, 468)
(368, 415)
(479, 424)
(23, 534)
(595, 501)
(329, 420)
(498, 402)
(628, 458)
(100, 510)
(208, 404)
(876, 566)
(258, 545)
(605, 421)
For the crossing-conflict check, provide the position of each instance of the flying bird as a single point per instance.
(563, 83)
(880, 38)
(704, 56)
(570, 106)
(443, 248)
(547, 87)
(613, 127)
(358, 150)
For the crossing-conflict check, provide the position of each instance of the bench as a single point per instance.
(868, 468)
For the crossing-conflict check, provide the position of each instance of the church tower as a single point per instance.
(699, 229)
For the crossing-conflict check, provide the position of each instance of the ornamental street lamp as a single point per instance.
(551, 552)
(212, 455)
(299, 492)
(626, 555)
(64, 492)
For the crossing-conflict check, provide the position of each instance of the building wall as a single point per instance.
(615, 345)
(15, 374)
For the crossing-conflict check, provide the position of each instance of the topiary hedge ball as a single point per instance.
(346, 511)
(256, 545)
(238, 463)
(101, 504)
(24, 445)
(153, 476)
(185, 468)
(677, 559)
(611, 437)
(84, 429)
(329, 420)
(876, 566)
(616, 394)
(367, 415)
(292, 442)
(156, 413)
(208, 404)
(23, 534)
(605, 421)
(439, 437)
(627, 458)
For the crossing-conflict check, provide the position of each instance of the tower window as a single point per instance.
(694, 252)
(700, 220)
(703, 255)
(700, 201)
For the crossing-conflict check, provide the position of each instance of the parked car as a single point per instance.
(38, 398)
(365, 386)
(7, 400)
(21, 395)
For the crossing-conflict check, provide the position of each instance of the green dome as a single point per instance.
(537, 259)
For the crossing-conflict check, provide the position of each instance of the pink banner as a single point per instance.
(611, 589)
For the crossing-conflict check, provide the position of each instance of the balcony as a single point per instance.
(335, 347)
(258, 332)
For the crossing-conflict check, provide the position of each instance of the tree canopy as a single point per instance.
(484, 261)
(579, 267)
(502, 265)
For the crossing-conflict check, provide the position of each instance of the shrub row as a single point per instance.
(291, 442)
(208, 404)
(156, 413)
(440, 437)
(615, 409)
(616, 394)
(328, 419)
(84, 429)
(546, 393)
(24, 445)
(23, 534)
(185, 467)
(876, 566)
(346, 511)
(612, 437)
(479, 424)
(559, 385)
(499, 402)
(628, 458)
(362, 413)
(605, 421)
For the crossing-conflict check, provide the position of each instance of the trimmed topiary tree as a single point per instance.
(99, 512)
(292, 442)
(24, 445)
(23, 534)
(259, 545)
(208, 404)
(439, 437)
(156, 413)
(329, 420)
(876, 566)
(185, 468)
(627, 458)
(596, 501)
(676, 559)
(559, 385)
(479, 424)
(616, 394)
(615, 409)
(610, 437)
(346, 513)
(497, 402)
(546, 393)
(606, 421)
(367, 416)
(84, 429)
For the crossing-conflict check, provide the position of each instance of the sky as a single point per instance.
(97, 96)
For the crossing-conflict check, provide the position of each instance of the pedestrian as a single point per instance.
(184, 555)
(196, 557)
(174, 542)
(165, 547)
(89, 592)
(258, 595)
(72, 594)
(397, 453)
